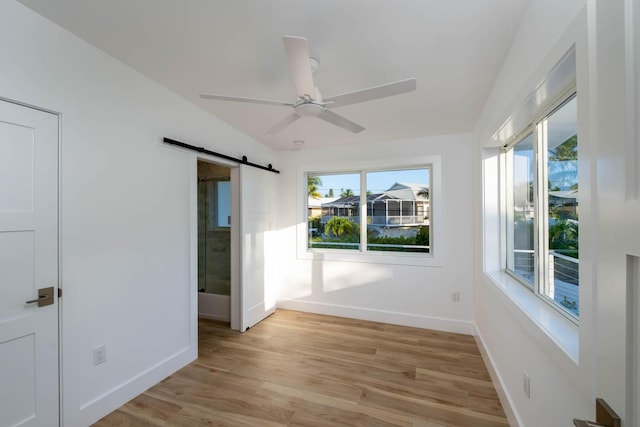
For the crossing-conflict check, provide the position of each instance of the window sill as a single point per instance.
(560, 330)
(423, 260)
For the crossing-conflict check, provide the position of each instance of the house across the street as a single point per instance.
(404, 206)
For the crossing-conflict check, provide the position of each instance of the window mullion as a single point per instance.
(536, 202)
(544, 217)
(541, 211)
(363, 211)
(507, 181)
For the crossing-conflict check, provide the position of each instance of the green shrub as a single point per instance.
(339, 226)
(422, 238)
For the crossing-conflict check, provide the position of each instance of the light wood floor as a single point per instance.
(300, 369)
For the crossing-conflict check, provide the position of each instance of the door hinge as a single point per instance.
(59, 292)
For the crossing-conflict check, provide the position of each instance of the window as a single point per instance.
(223, 202)
(521, 218)
(215, 196)
(334, 213)
(541, 170)
(391, 215)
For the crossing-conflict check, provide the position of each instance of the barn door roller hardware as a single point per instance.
(243, 160)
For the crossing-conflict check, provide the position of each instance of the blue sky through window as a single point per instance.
(377, 182)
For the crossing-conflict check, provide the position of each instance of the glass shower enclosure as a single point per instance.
(214, 241)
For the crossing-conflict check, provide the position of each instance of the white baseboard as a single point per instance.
(212, 306)
(213, 317)
(503, 395)
(395, 318)
(97, 408)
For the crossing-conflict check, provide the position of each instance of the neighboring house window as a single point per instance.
(541, 171)
(393, 213)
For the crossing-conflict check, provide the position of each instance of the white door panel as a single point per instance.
(257, 193)
(18, 276)
(16, 171)
(28, 261)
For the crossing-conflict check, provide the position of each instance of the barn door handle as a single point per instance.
(45, 297)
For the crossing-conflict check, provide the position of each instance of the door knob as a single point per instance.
(45, 297)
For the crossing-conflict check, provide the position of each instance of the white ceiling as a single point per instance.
(454, 48)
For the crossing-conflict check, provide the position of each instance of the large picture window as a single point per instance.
(392, 214)
(542, 221)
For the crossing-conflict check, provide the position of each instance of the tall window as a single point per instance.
(391, 215)
(542, 208)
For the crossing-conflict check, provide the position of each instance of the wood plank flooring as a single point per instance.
(301, 369)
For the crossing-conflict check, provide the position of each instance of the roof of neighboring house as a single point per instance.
(344, 202)
(406, 191)
(317, 202)
(398, 191)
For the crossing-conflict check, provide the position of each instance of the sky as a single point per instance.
(377, 182)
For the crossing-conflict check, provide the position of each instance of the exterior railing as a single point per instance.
(564, 277)
(564, 268)
(561, 267)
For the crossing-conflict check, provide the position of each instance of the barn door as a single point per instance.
(257, 202)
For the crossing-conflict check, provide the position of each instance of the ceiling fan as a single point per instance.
(310, 102)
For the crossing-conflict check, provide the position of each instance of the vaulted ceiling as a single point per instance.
(454, 48)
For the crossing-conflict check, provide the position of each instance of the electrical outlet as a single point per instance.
(526, 384)
(455, 296)
(99, 355)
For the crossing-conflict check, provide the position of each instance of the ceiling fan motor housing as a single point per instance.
(309, 109)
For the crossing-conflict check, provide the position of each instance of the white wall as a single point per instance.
(125, 213)
(373, 290)
(564, 379)
(614, 126)
(126, 220)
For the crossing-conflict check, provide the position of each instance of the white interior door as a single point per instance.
(257, 201)
(29, 391)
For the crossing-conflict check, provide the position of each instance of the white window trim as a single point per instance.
(436, 242)
(533, 313)
(540, 246)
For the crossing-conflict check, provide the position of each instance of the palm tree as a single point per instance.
(424, 192)
(313, 182)
(568, 150)
(346, 193)
(563, 165)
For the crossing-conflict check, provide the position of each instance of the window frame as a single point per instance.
(431, 259)
(541, 221)
(218, 226)
(212, 208)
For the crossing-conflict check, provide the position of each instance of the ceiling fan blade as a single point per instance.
(369, 94)
(298, 54)
(338, 120)
(283, 123)
(248, 100)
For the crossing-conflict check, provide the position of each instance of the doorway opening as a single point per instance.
(214, 241)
